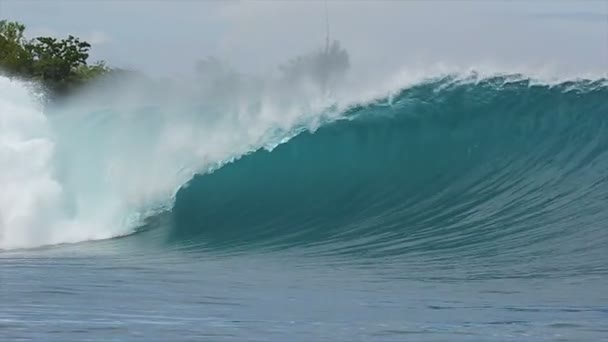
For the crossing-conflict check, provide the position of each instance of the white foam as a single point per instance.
(95, 167)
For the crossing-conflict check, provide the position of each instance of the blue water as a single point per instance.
(451, 211)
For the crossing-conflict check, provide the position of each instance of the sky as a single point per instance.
(168, 37)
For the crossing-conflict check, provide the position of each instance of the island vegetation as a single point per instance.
(59, 65)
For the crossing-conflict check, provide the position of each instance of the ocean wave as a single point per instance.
(442, 162)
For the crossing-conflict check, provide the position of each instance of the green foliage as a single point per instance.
(14, 58)
(56, 61)
(12, 31)
(90, 72)
(60, 64)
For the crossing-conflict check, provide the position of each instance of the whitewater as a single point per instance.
(90, 171)
(459, 205)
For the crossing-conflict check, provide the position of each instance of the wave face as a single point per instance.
(498, 169)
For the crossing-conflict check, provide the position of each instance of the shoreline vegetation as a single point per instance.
(60, 66)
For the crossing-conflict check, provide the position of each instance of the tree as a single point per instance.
(14, 58)
(59, 64)
(90, 72)
(56, 61)
(12, 31)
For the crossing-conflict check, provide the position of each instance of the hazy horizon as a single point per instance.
(168, 38)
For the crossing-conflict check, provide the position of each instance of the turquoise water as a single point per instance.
(451, 211)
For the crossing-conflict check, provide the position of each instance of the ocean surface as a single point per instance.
(453, 208)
